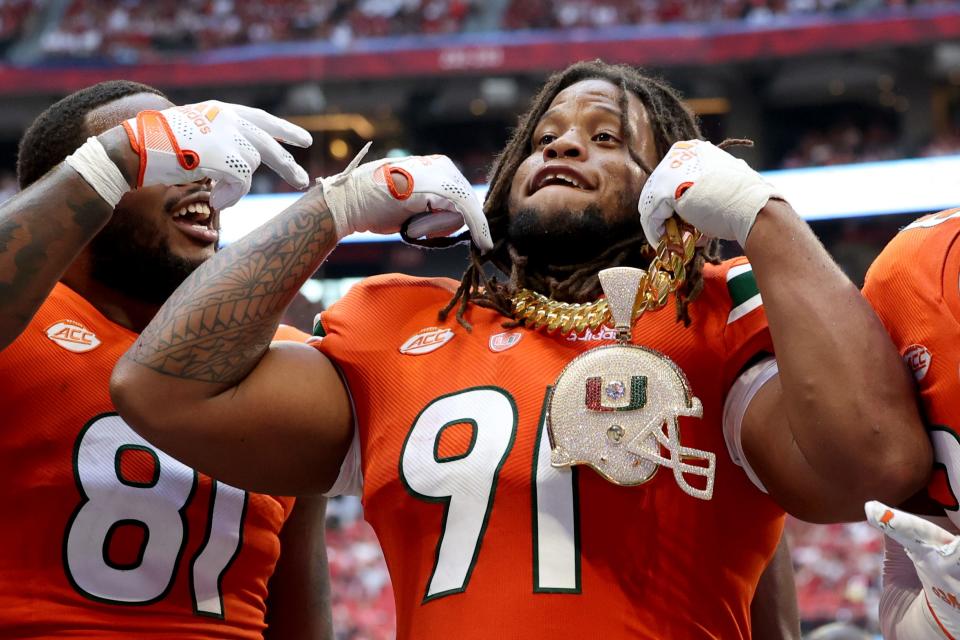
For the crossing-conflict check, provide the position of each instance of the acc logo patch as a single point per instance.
(918, 358)
(503, 341)
(73, 336)
(426, 340)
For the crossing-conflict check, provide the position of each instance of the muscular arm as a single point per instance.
(774, 614)
(42, 230)
(204, 383)
(299, 602)
(839, 425)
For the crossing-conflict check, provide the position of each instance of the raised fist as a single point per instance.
(707, 187)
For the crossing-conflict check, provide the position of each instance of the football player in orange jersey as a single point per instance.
(107, 536)
(914, 285)
(462, 430)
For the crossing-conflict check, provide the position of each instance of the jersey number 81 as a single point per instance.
(155, 505)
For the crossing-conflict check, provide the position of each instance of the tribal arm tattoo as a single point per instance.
(219, 323)
(42, 230)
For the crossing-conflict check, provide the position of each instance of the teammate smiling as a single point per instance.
(112, 537)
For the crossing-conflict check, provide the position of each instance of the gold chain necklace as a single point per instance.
(666, 273)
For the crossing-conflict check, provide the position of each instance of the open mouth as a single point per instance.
(559, 177)
(195, 218)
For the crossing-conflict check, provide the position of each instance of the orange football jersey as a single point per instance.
(914, 286)
(483, 537)
(105, 535)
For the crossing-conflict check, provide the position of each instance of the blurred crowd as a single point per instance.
(845, 142)
(13, 16)
(837, 571)
(136, 30)
(565, 14)
(362, 599)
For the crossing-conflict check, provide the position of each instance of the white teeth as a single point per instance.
(568, 179)
(202, 209)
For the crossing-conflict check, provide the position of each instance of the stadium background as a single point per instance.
(817, 84)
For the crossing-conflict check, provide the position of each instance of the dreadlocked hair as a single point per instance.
(671, 121)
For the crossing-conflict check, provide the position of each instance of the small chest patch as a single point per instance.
(73, 336)
(503, 341)
(426, 340)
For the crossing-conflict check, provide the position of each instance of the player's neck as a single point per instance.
(550, 275)
(114, 305)
(563, 283)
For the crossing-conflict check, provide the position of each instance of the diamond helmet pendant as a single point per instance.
(616, 408)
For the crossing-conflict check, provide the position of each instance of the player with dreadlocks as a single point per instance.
(671, 122)
(511, 473)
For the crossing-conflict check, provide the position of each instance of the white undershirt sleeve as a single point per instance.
(350, 480)
(741, 393)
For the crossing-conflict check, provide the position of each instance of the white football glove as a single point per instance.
(934, 552)
(707, 187)
(437, 200)
(217, 140)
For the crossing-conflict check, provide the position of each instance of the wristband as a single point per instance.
(95, 166)
(334, 194)
(730, 200)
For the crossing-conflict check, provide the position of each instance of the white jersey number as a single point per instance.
(466, 485)
(155, 506)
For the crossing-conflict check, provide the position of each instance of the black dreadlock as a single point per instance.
(671, 122)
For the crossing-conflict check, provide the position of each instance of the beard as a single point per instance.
(570, 237)
(132, 256)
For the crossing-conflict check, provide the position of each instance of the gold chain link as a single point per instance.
(666, 274)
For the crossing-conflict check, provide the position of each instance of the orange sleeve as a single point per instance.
(917, 276)
(743, 328)
(951, 278)
(377, 302)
